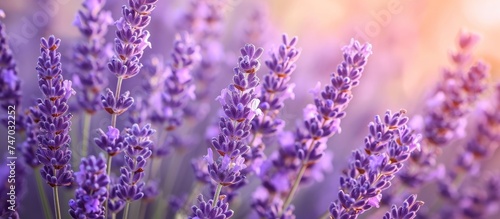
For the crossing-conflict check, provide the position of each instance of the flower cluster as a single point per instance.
(389, 143)
(10, 83)
(283, 173)
(90, 57)
(53, 138)
(445, 115)
(136, 154)
(207, 209)
(407, 211)
(239, 104)
(91, 192)
(131, 39)
(275, 89)
(178, 87)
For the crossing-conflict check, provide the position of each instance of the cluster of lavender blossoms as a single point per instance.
(91, 192)
(390, 143)
(90, 56)
(53, 138)
(295, 161)
(136, 176)
(240, 106)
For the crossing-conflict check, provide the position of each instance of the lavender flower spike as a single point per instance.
(53, 138)
(10, 84)
(91, 192)
(407, 211)
(207, 210)
(390, 142)
(55, 121)
(239, 104)
(136, 154)
(91, 55)
(131, 39)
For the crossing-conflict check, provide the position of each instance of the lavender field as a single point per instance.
(216, 109)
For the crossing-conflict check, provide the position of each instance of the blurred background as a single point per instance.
(411, 42)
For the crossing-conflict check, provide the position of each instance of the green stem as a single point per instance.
(42, 195)
(113, 216)
(296, 183)
(117, 95)
(216, 195)
(57, 207)
(86, 129)
(125, 211)
(108, 172)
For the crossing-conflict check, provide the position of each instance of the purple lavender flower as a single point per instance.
(486, 139)
(204, 21)
(476, 198)
(407, 211)
(446, 111)
(209, 210)
(30, 145)
(239, 104)
(112, 142)
(10, 84)
(91, 192)
(92, 55)
(136, 154)
(455, 95)
(389, 143)
(178, 84)
(131, 39)
(276, 88)
(296, 158)
(53, 138)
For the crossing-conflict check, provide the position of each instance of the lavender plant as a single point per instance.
(321, 121)
(91, 192)
(388, 145)
(90, 57)
(55, 122)
(239, 104)
(250, 124)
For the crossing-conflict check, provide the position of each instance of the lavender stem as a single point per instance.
(303, 167)
(42, 195)
(125, 211)
(86, 129)
(216, 195)
(117, 94)
(57, 207)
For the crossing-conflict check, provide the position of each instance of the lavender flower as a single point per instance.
(239, 104)
(389, 143)
(445, 114)
(455, 95)
(131, 39)
(91, 56)
(407, 211)
(10, 84)
(209, 210)
(136, 154)
(91, 192)
(112, 142)
(204, 21)
(276, 88)
(53, 138)
(321, 121)
(30, 145)
(486, 139)
(178, 84)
